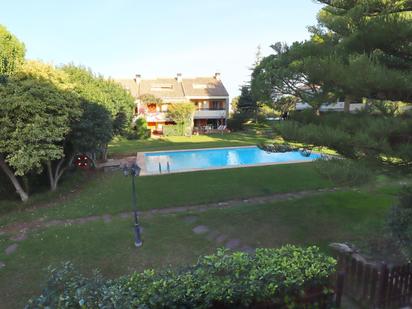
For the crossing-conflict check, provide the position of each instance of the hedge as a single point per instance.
(270, 277)
(172, 130)
(177, 130)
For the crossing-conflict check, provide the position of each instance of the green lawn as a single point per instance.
(339, 216)
(168, 239)
(106, 246)
(121, 146)
(111, 192)
(349, 215)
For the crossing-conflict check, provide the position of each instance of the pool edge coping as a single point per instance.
(140, 161)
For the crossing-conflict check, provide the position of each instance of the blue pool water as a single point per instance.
(215, 158)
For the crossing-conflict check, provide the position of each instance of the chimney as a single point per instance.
(179, 77)
(217, 76)
(138, 78)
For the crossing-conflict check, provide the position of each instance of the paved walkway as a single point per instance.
(22, 228)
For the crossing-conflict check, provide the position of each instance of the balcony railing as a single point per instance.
(211, 109)
(210, 114)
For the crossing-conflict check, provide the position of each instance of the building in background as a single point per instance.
(208, 94)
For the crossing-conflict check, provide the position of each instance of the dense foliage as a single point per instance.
(235, 280)
(359, 49)
(138, 130)
(372, 51)
(92, 132)
(37, 107)
(96, 89)
(286, 74)
(182, 114)
(172, 130)
(12, 53)
(49, 114)
(400, 221)
(344, 172)
(357, 136)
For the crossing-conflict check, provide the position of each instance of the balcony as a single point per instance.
(210, 113)
(155, 116)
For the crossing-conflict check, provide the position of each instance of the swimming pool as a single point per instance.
(186, 160)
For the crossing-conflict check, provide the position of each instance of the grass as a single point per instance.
(111, 192)
(108, 247)
(332, 217)
(168, 240)
(123, 147)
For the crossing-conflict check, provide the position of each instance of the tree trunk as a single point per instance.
(52, 181)
(26, 184)
(346, 106)
(104, 152)
(23, 195)
(55, 177)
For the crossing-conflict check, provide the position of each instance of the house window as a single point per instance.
(216, 105)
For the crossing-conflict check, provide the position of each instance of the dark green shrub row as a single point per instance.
(276, 277)
(376, 138)
(344, 172)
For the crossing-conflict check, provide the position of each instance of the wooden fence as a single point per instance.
(375, 285)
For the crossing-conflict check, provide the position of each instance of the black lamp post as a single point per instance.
(134, 171)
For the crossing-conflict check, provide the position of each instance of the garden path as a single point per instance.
(18, 231)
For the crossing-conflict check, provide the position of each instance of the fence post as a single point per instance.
(382, 286)
(339, 288)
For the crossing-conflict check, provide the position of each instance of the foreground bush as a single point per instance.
(272, 277)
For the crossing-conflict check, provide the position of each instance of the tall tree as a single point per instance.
(105, 92)
(93, 131)
(285, 73)
(372, 56)
(12, 52)
(36, 109)
(246, 102)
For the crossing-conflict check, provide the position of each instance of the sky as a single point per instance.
(121, 38)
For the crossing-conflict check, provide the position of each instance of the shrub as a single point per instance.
(237, 121)
(177, 130)
(138, 131)
(172, 130)
(120, 123)
(399, 221)
(305, 116)
(344, 172)
(182, 114)
(277, 277)
(312, 134)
